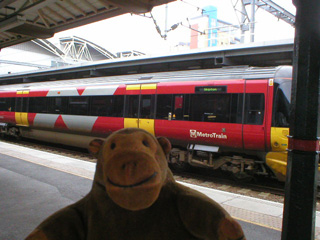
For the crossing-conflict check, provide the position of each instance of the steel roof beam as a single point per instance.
(5, 3)
(51, 16)
(135, 6)
(277, 11)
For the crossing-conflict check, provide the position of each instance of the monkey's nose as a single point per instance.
(129, 168)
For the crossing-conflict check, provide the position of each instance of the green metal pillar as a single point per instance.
(302, 170)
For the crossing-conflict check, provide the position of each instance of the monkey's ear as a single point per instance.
(95, 146)
(165, 144)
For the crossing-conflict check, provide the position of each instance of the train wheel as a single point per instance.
(242, 177)
(180, 166)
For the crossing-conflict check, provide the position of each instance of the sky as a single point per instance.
(133, 32)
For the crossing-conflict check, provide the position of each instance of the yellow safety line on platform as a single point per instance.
(258, 224)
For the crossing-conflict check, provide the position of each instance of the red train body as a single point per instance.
(233, 118)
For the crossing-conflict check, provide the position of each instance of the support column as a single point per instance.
(303, 157)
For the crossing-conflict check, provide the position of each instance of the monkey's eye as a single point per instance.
(146, 143)
(113, 146)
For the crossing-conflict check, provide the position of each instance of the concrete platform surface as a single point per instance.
(65, 180)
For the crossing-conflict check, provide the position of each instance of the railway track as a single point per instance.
(220, 180)
(263, 188)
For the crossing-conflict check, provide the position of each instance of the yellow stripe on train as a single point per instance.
(23, 92)
(147, 86)
(22, 119)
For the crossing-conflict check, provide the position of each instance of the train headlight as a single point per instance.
(276, 144)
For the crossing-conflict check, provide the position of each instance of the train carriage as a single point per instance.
(234, 118)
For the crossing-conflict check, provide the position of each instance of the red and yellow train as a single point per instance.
(235, 119)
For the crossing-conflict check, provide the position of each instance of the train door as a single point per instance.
(21, 109)
(139, 106)
(255, 112)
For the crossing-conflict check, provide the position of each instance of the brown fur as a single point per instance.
(134, 196)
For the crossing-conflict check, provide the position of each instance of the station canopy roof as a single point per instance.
(24, 20)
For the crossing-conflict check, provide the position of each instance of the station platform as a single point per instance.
(34, 184)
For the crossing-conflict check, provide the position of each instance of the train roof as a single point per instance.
(239, 72)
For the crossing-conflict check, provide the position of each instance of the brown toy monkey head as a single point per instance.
(132, 166)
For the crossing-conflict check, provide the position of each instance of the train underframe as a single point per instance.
(241, 166)
(6, 129)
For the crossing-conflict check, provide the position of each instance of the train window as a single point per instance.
(146, 106)
(108, 106)
(12, 106)
(282, 105)
(211, 108)
(164, 105)
(254, 108)
(3, 104)
(78, 105)
(101, 106)
(6, 104)
(19, 104)
(25, 103)
(132, 105)
(186, 107)
(118, 103)
(58, 105)
(38, 105)
(178, 108)
(236, 108)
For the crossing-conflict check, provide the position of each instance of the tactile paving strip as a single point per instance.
(254, 217)
(260, 219)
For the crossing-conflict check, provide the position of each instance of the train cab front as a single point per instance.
(277, 157)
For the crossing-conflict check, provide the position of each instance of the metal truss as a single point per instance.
(276, 11)
(49, 47)
(79, 49)
(247, 22)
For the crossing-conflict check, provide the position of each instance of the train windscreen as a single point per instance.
(282, 100)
